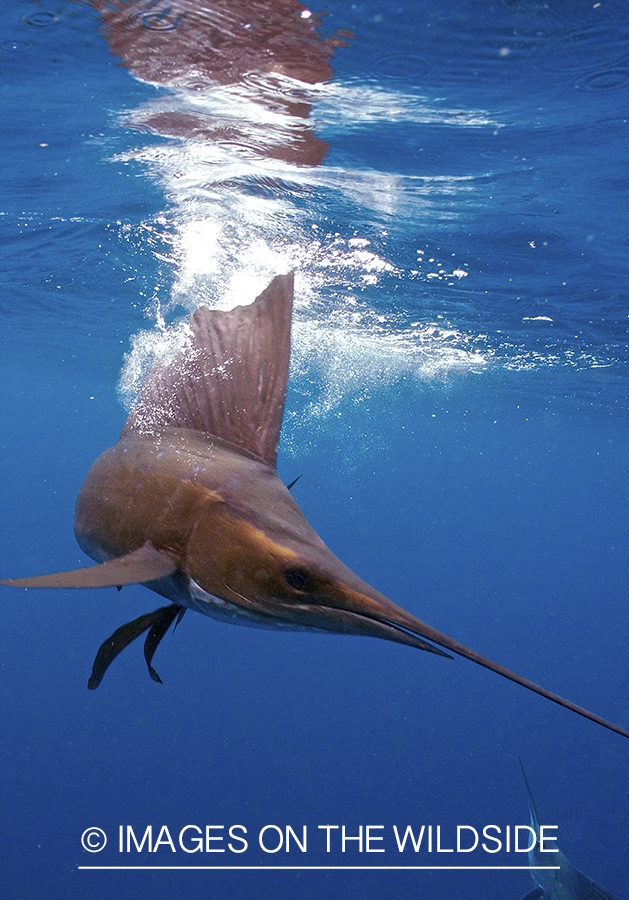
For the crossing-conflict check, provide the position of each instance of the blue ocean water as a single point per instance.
(457, 407)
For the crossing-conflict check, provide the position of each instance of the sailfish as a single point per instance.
(554, 876)
(188, 503)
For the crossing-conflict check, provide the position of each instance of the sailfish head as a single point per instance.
(271, 568)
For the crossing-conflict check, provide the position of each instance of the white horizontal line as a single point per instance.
(313, 868)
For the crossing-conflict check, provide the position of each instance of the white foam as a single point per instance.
(237, 218)
(350, 106)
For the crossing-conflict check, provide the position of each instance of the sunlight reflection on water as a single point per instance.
(237, 218)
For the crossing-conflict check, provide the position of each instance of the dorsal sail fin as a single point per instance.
(230, 378)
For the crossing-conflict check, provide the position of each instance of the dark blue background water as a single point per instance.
(463, 440)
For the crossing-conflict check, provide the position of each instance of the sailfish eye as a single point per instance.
(296, 578)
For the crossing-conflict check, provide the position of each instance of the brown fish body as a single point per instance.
(189, 503)
(233, 530)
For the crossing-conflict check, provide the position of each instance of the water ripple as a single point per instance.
(604, 44)
(16, 46)
(155, 21)
(602, 80)
(41, 19)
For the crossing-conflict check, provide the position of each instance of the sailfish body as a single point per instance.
(189, 503)
(558, 879)
(233, 542)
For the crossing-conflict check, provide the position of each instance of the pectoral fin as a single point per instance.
(144, 564)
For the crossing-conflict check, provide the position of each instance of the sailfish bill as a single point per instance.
(189, 503)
